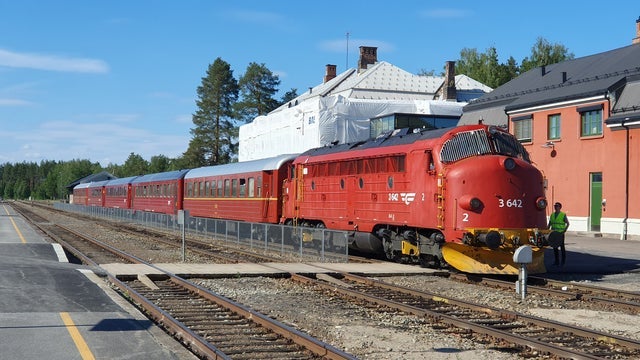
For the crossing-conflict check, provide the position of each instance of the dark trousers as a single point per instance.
(562, 250)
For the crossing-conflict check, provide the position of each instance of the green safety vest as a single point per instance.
(557, 222)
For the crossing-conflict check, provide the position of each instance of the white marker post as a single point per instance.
(182, 215)
(522, 257)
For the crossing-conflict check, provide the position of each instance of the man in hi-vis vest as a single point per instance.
(558, 223)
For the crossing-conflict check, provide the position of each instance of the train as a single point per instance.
(465, 197)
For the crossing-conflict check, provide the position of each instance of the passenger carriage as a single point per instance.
(247, 191)
(80, 194)
(161, 192)
(118, 193)
(95, 193)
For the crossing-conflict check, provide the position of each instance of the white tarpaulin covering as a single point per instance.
(321, 121)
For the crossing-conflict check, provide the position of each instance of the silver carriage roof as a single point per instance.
(272, 163)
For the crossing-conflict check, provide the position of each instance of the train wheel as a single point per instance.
(327, 237)
(389, 252)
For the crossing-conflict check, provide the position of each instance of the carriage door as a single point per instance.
(595, 213)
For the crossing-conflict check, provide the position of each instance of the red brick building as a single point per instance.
(580, 121)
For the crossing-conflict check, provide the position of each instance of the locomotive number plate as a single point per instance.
(512, 203)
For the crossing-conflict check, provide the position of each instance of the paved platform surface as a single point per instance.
(269, 269)
(51, 309)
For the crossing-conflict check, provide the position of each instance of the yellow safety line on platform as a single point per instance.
(82, 346)
(15, 226)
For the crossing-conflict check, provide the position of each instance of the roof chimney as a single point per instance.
(330, 72)
(368, 55)
(449, 92)
(636, 40)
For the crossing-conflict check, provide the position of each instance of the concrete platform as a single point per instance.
(51, 309)
(266, 269)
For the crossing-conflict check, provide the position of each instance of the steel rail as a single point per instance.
(478, 328)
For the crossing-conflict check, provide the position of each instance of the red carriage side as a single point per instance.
(118, 193)
(246, 191)
(95, 193)
(161, 192)
(80, 193)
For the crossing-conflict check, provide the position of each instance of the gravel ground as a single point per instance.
(370, 335)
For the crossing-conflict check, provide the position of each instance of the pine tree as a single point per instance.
(214, 137)
(258, 85)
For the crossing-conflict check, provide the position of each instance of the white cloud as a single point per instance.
(102, 142)
(14, 102)
(51, 62)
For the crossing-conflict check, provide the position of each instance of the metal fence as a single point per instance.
(304, 244)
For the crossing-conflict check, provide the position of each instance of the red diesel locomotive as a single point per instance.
(467, 196)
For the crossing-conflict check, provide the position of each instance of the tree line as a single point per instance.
(223, 103)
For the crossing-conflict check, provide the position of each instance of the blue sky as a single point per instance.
(99, 80)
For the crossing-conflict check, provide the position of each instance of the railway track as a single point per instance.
(210, 325)
(525, 333)
(604, 298)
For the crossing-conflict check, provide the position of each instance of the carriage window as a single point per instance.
(206, 189)
(212, 188)
(252, 183)
(259, 192)
(201, 193)
(190, 189)
(234, 188)
(220, 188)
(227, 187)
(243, 187)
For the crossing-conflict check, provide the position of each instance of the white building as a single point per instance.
(339, 110)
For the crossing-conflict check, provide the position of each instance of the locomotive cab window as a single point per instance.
(431, 166)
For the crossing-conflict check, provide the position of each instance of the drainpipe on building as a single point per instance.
(626, 188)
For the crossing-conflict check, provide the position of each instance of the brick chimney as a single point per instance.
(368, 56)
(636, 40)
(330, 72)
(449, 87)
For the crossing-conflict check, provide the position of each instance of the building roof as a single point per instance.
(595, 75)
(387, 82)
(101, 176)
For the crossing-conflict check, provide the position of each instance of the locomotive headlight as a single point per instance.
(470, 203)
(509, 164)
(541, 203)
